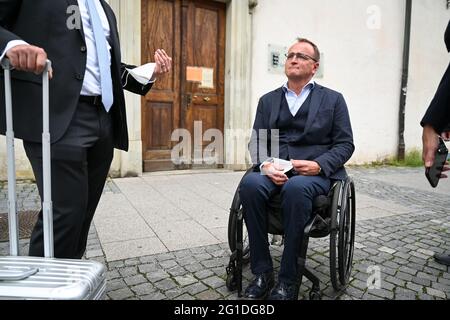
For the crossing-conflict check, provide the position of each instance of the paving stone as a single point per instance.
(408, 270)
(184, 281)
(166, 264)
(116, 264)
(196, 288)
(208, 295)
(143, 289)
(132, 262)
(421, 281)
(114, 274)
(177, 271)
(213, 282)
(148, 260)
(405, 294)
(121, 294)
(114, 285)
(165, 284)
(128, 271)
(154, 296)
(436, 293)
(202, 274)
(156, 276)
(414, 287)
(387, 250)
(427, 276)
(165, 256)
(396, 281)
(134, 280)
(194, 267)
(148, 268)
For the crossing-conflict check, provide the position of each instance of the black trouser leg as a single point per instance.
(254, 191)
(297, 199)
(80, 164)
(99, 162)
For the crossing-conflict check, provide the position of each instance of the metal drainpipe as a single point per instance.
(404, 88)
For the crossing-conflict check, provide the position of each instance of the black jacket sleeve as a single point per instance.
(438, 113)
(9, 10)
(130, 84)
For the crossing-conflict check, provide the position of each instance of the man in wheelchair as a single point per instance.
(310, 125)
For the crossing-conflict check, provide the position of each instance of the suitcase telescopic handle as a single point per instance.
(16, 275)
(47, 201)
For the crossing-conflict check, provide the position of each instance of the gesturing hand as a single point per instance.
(163, 63)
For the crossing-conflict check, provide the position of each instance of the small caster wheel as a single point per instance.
(315, 295)
(231, 282)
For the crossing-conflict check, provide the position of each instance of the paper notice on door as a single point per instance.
(194, 74)
(204, 76)
(207, 78)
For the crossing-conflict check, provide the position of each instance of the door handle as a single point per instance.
(207, 99)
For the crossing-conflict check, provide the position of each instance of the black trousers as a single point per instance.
(80, 164)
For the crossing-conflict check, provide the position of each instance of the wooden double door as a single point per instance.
(191, 97)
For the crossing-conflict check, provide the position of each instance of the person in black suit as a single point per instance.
(436, 122)
(87, 104)
(312, 128)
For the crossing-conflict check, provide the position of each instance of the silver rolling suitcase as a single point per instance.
(42, 278)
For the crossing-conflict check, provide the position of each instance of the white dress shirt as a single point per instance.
(91, 83)
(295, 101)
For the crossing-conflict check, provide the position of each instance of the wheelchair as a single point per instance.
(333, 215)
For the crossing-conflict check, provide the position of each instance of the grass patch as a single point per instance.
(413, 159)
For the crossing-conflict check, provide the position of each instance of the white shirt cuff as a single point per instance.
(11, 44)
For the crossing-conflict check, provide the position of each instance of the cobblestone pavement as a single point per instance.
(400, 247)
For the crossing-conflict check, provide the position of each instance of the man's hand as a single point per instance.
(275, 174)
(163, 63)
(27, 58)
(430, 144)
(306, 168)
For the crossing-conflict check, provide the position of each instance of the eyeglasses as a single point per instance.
(300, 55)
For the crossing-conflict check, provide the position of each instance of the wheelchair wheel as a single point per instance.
(342, 234)
(235, 214)
(335, 215)
(347, 233)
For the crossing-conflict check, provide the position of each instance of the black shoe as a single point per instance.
(443, 258)
(284, 291)
(260, 286)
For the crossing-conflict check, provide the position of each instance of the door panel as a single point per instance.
(193, 33)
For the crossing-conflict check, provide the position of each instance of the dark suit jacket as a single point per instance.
(44, 23)
(327, 139)
(438, 113)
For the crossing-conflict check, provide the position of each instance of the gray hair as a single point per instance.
(316, 49)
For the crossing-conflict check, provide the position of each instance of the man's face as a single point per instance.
(300, 64)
